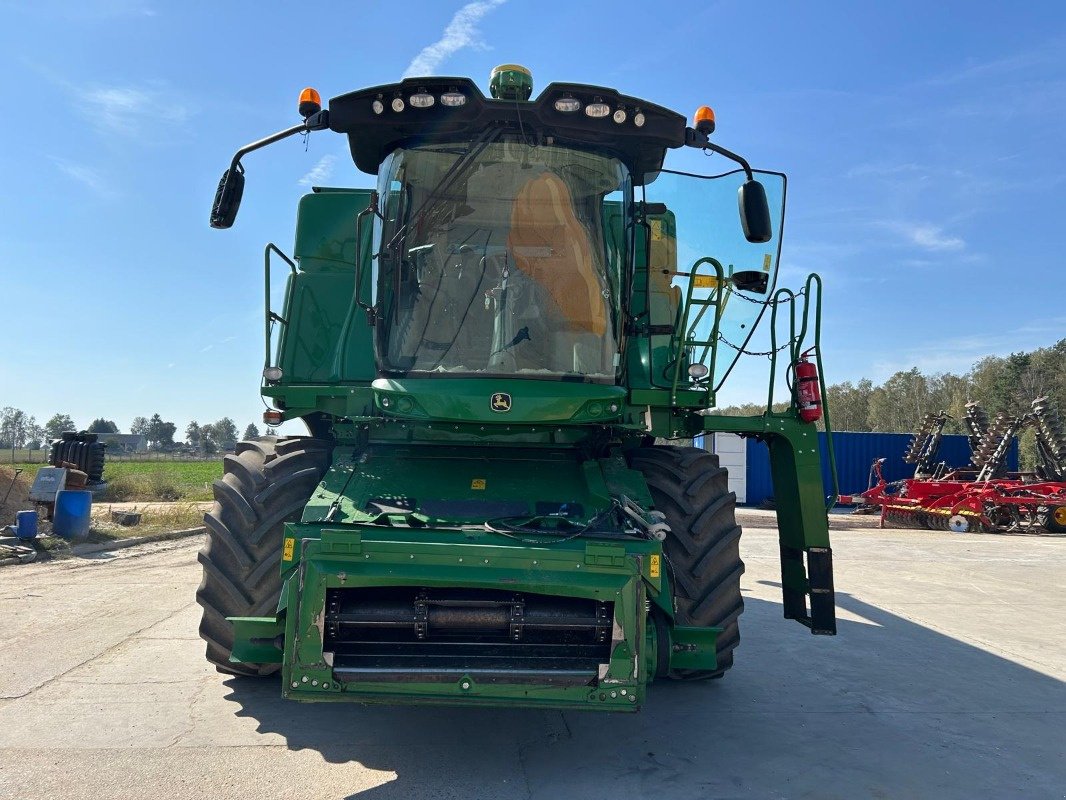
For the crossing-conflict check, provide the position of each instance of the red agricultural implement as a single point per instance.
(983, 497)
(966, 506)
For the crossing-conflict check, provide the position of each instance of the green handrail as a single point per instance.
(270, 316)
(796, 349)
(684, 332)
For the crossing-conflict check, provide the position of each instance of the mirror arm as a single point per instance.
(315, 122)
(733, 157)
(694, 138)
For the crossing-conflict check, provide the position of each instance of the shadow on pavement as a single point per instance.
(888, 708)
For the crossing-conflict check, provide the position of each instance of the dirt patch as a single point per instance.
(18, 499)
(158, 520)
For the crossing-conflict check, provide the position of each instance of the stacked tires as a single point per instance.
(82, 450)
(703, 548)
(264, 485)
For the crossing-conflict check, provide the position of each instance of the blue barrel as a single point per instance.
(26, 524)
(73, 513)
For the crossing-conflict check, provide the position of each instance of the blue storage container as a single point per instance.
(73, 513)
(26, 524)
(854, 454)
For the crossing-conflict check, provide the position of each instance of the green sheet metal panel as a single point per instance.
(325, 229)
(325, 338)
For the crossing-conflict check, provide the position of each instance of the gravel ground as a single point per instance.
(945, 681)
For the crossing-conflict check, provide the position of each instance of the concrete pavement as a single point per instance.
(946, 681)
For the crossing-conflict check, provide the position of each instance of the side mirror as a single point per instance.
(228, 198)
(755, 213)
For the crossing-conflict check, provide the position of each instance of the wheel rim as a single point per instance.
(1058, 515)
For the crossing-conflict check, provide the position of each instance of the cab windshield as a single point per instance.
(494, 259)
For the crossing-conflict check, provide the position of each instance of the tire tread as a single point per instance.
(265, 484)
(703, 548)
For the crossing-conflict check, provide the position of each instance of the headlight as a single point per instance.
(597, 110)
(422, 100)
(638, 119)
(453, 99)
(619, 116)
(568, 105)
(273, 374)
(397, 104)
(697, 371)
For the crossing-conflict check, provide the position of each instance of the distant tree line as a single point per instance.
(19, 430)
(999, 384)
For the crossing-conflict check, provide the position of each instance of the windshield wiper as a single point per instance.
(521, 336)
(455, 171)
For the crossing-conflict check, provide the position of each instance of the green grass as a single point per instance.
(145, 481)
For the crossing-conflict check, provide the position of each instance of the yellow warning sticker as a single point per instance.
(290, 546)
(653, 566)
(705, 281)
(656, 230)
(477, 483)
(767, 260)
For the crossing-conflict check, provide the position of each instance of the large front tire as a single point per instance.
(264, 485)
(703, 547)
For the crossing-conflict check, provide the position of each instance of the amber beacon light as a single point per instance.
(310, 102)
(704, 119)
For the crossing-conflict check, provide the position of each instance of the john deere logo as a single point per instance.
(501, 401)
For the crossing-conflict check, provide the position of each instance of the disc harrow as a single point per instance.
(990, 457)
(1050, 439)
(925, 444)
(960, 506)
(976, 422)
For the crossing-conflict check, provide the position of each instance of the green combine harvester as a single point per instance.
(488, 351)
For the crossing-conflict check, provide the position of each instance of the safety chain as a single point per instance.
(742, 351)
(771, 301)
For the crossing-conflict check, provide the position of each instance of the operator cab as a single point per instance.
(506, 229)
(518, 238)
(496, 261)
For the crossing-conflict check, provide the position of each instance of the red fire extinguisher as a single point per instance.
(808, 397)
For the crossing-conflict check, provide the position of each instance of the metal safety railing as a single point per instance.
(270, 317)
(685, 342)
(797, 347)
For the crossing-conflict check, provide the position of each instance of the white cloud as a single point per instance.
(128, 110)
(927, 236)
(932, 237)
(319, 172)
(84, 175)
(461, 32)
(959, 354)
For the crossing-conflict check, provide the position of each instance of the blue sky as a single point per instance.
(923, 141)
